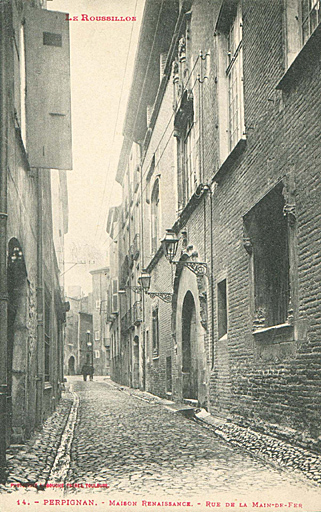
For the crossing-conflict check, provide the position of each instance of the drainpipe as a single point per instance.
(212, 295)
(142, 261)
(40, 305)
(3, 235)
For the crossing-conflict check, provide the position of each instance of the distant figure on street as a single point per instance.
(91, 371)
(85, 371)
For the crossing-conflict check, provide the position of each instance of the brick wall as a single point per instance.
(279, 384)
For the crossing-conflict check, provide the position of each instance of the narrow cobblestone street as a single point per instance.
(133, 449)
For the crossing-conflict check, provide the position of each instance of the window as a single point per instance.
(267, 230)
(188, 159)
(168, 374)
(47, 338)
(97, 354)
(311, 17)
(97, 304)
(97, 335)
(234, 73)
(230, 89)
(221, 308)
(302, 19)
(51, 39)
(155, 216)
(23, 84)
(114, 293)
(187, 151)
(117, 342)
(155, 326)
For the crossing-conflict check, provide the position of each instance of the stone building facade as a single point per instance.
(221, 149)
(101, 345)
(35, 138)
(78, 348)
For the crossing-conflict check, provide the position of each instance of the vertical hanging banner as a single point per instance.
(48, 102)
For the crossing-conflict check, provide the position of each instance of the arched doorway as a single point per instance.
(189, 348)
(136, 362)
(18, 339)
(71, 365)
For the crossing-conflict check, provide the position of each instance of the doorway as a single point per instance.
(136, 362)
(189, 350)
(17, 347)
(71, 365)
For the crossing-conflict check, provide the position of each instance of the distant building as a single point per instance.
(220, 171)
(71, 345)
(78, 348)
(35, 137)
(101, 340)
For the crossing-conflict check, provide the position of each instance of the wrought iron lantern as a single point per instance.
(144, 280)
(170, 244)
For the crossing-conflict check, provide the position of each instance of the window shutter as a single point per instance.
(115, 305)
(162, 64)
(48, 111)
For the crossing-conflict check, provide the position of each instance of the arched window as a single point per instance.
(155, 216)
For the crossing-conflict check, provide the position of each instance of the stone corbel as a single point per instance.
(247, 244)
(175, 72)
(289, 212)
(290, 316)
(203, 308)
(259, 319)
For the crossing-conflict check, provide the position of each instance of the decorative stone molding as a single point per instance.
(175, 72)
(290, 213)
(247, 244)
(290, 317)
(259, 319)
(182, 49)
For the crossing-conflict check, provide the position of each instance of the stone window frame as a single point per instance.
(268, 333)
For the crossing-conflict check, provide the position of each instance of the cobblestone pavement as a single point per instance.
(30, 464)
(140, 447)
(118, 447)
